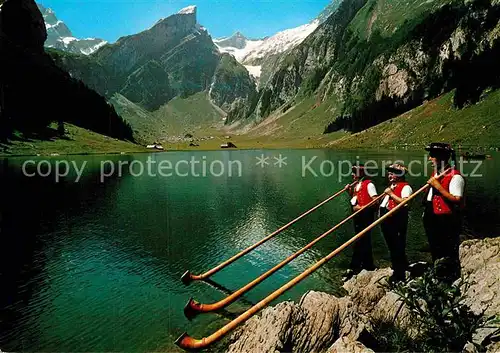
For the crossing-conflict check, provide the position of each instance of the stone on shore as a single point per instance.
(313, 325)
(321, 322)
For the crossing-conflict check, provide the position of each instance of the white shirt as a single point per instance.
(457, 186)
(372, 191)
(405, 193)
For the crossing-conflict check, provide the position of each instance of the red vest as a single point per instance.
(439, 204)
(397, 191)
(363, 197)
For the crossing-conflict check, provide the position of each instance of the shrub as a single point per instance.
(438, 312)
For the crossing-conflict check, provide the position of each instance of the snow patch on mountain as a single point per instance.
(255, 50)
(188, 10)
(240, 54)
(67, 40)
(49, 26)
(93, 48)
(254, 71)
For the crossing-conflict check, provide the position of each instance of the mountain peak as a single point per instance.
(238, 34)
(59, 36)
(237, 40)
(328, 10)
(188, 10)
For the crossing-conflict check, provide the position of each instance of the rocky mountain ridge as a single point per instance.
(258, 54)
(59, 36)
(176, 57)
(372, 60)
(253, 52)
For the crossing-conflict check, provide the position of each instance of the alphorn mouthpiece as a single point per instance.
(191, 344)
(186, 278)
(185, 342)
(191, 309)
(178, 342)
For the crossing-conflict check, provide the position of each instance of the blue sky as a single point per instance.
(111, 19)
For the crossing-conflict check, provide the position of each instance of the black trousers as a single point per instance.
(443, 234)
(362, 256)
(394, 229)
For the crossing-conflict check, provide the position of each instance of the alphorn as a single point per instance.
(194, 308)
(187, 277)
(187, 342)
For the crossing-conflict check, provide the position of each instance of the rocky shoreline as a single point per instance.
(321, 322)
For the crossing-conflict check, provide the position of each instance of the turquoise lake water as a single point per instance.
(96, 266)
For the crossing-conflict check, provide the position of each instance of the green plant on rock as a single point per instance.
(439, 313)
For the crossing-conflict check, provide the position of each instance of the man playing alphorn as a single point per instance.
(442, 216)
(396, 226)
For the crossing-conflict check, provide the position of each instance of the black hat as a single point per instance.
(439, 148)
(398, 169)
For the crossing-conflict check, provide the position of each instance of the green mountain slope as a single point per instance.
(76, 141)
(145, 126)
(232, 88)
(437, 120)
(190, 115)
(174, 120)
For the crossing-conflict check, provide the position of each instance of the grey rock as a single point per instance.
(347, 345)
(365, 289)
(470, 348)
(493, 348)
(480, 262)
(232, 87)
(313, 325)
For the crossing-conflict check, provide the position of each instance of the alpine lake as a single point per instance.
(91, 259)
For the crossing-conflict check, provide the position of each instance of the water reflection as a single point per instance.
(94, 266)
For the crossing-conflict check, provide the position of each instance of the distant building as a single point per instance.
(155, 146)
(228, 145)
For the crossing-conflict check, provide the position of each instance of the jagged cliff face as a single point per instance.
(260, 56)
(174, 57)
(133, 51)
(315, 53)
(232, 88)
(377, 59)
